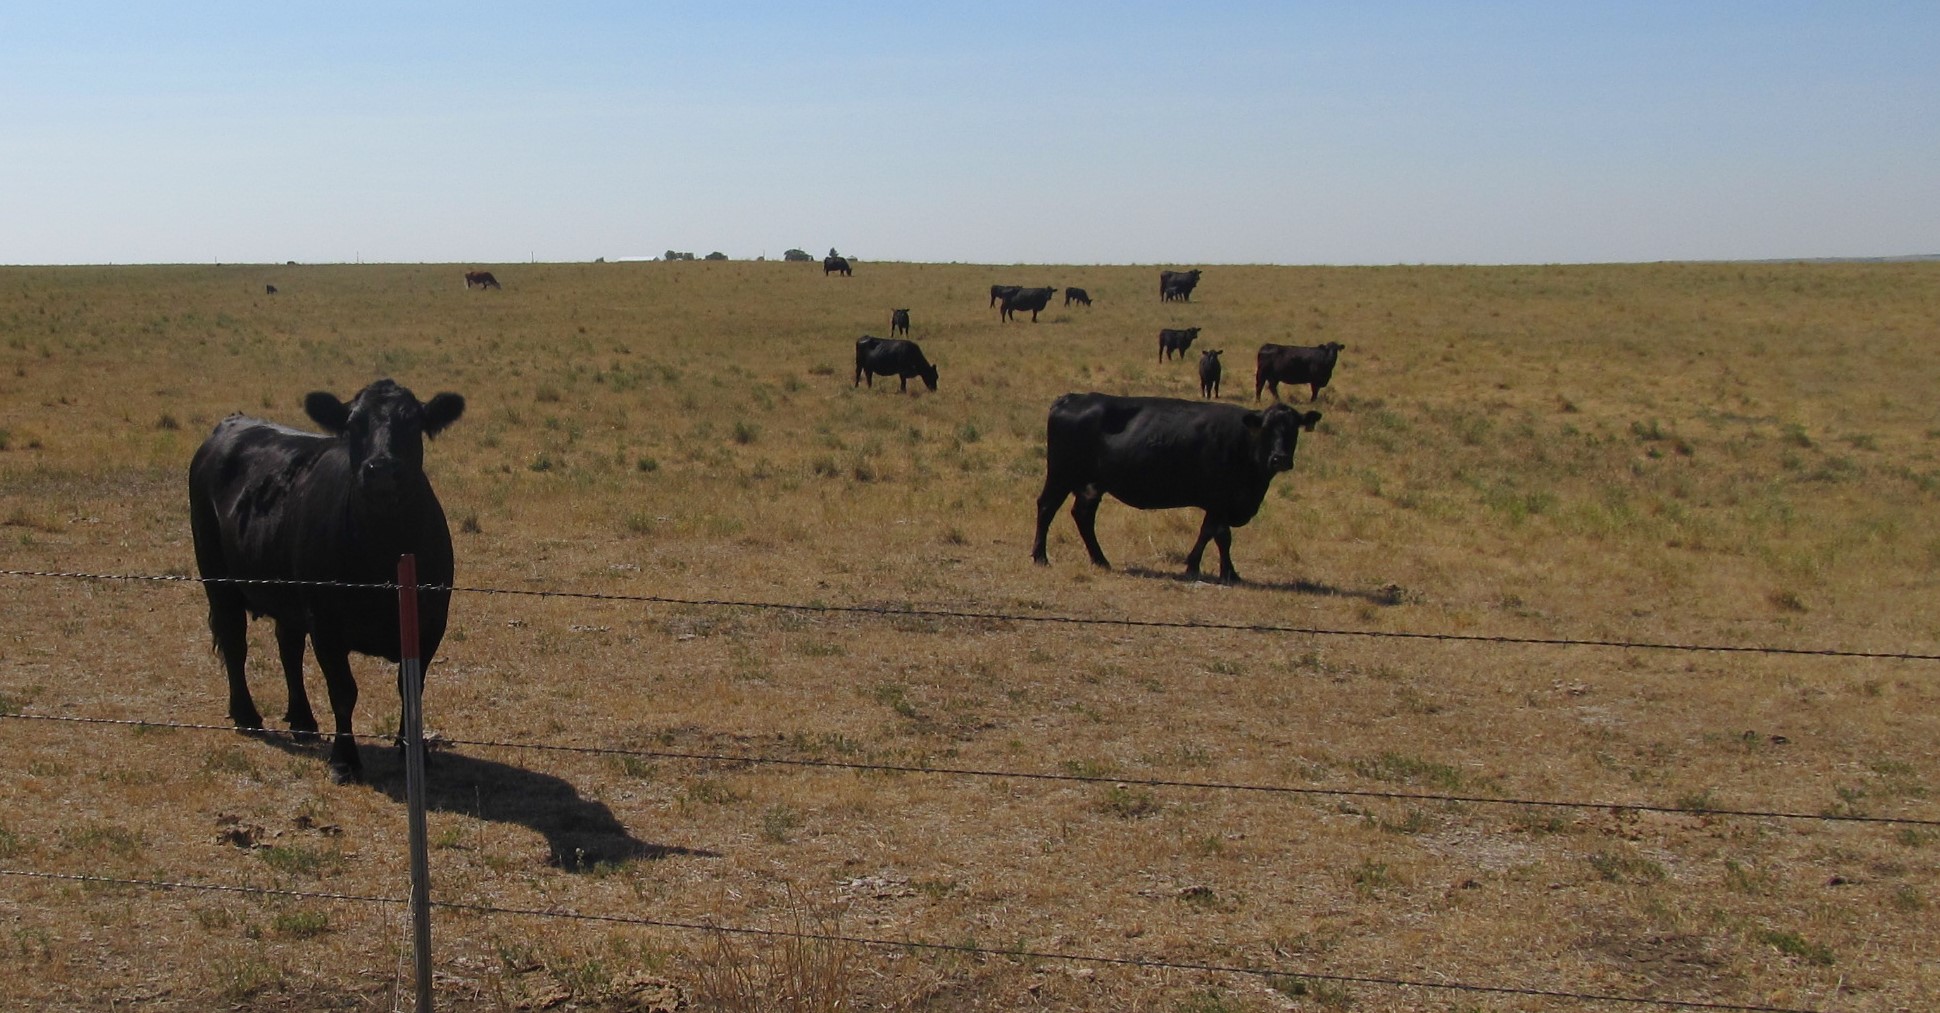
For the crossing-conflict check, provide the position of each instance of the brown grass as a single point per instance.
(1714, 454)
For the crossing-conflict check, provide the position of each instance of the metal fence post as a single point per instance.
(411, 689)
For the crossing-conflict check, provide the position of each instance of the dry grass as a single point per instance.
(1723, 454)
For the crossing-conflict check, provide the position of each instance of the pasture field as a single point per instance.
(1728, 455)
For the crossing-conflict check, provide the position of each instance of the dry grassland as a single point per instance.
(1734, 455)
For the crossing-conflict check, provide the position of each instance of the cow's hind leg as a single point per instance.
(229, 626)
(301, 719)
(1048, 503)
(1084, 510)
(345, 765)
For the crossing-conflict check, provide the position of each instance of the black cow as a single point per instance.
(899, 321)
(891, 357)
(269, 289)
(1077, 295)
(998, 293)
(1157, 453)
(1209, 372)
(831, 264)
(1033, 299)
(1172, 340)
(1295, 364)
(480, 279)
(1177, 285)
(268, 502)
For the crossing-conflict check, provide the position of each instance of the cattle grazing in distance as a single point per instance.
(1177, 285)
(1033, 299)
(1295, 364)
(1077, 295)
(999, 293)
(1156, 453)
(895, 357)
(899, 321)
(1175, 340)
(1209, 372)
(480, 280)
(269, 289)
(271, 503)
(833, 264)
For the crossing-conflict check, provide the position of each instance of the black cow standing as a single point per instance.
(899, 321)
(1157, 453)
(891, 357)
(1033, 299)
(998, 293)
(272, 503)
(480, 280)
(1295, 364)
(1177, 285)
(269, 289)
(1077, 295)
(1175, 340)
(832, 264)
(1209, 372)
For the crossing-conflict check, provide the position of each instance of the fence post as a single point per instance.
(410, 684)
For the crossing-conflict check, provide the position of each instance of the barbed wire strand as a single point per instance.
(1015, 953)
(933, 613)
(893, 768)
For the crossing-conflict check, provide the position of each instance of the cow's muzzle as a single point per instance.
(381, 478)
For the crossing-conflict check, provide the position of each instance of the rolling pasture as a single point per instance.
(1725, 455)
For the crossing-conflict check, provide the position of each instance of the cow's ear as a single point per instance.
(1309, 421)
(1252, 420)
(323, 407)
(442, 411)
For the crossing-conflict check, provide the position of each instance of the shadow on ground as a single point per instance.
(1391, 594)
(580, 833)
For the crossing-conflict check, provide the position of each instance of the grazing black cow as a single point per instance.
(1172, 340)
(1157, 453)
(1077, 295)
(1295, 364)
(1177, 285)
(832, 264)
(899, 321)
(891, 357)
(998, 293)
(267, 502)
(480, 279)
(1033, 299)
(269, 289)
(1209, 372)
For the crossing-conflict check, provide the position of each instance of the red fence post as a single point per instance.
(410, 684)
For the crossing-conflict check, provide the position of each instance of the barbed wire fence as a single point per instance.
(925, 769)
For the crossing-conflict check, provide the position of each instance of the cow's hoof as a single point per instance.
(343, 773)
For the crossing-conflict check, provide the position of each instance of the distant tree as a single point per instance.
(832, 252)
(796, 255)
(675, 255)
(716, 255)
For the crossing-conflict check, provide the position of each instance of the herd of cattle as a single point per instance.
(281, 518)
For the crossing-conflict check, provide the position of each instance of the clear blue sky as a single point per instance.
(1281, 132)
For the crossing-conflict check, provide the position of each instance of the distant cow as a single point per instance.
(1033, 299)
(899, 321)
(267, 502)
(1157, 453)
(999, 292)
(891, 357)
(480, 279)
(1178, 285)
(1209, 372)
(1077, 295)
(1295, 364)
(1174, 340)
(269, 289)
(832, 264)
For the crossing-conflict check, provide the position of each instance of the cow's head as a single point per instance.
(1276, 432)
(384, 428)
(1211, 354)
(1333, 349)
(929, 375)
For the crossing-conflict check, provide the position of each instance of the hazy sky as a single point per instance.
(1343, 132)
